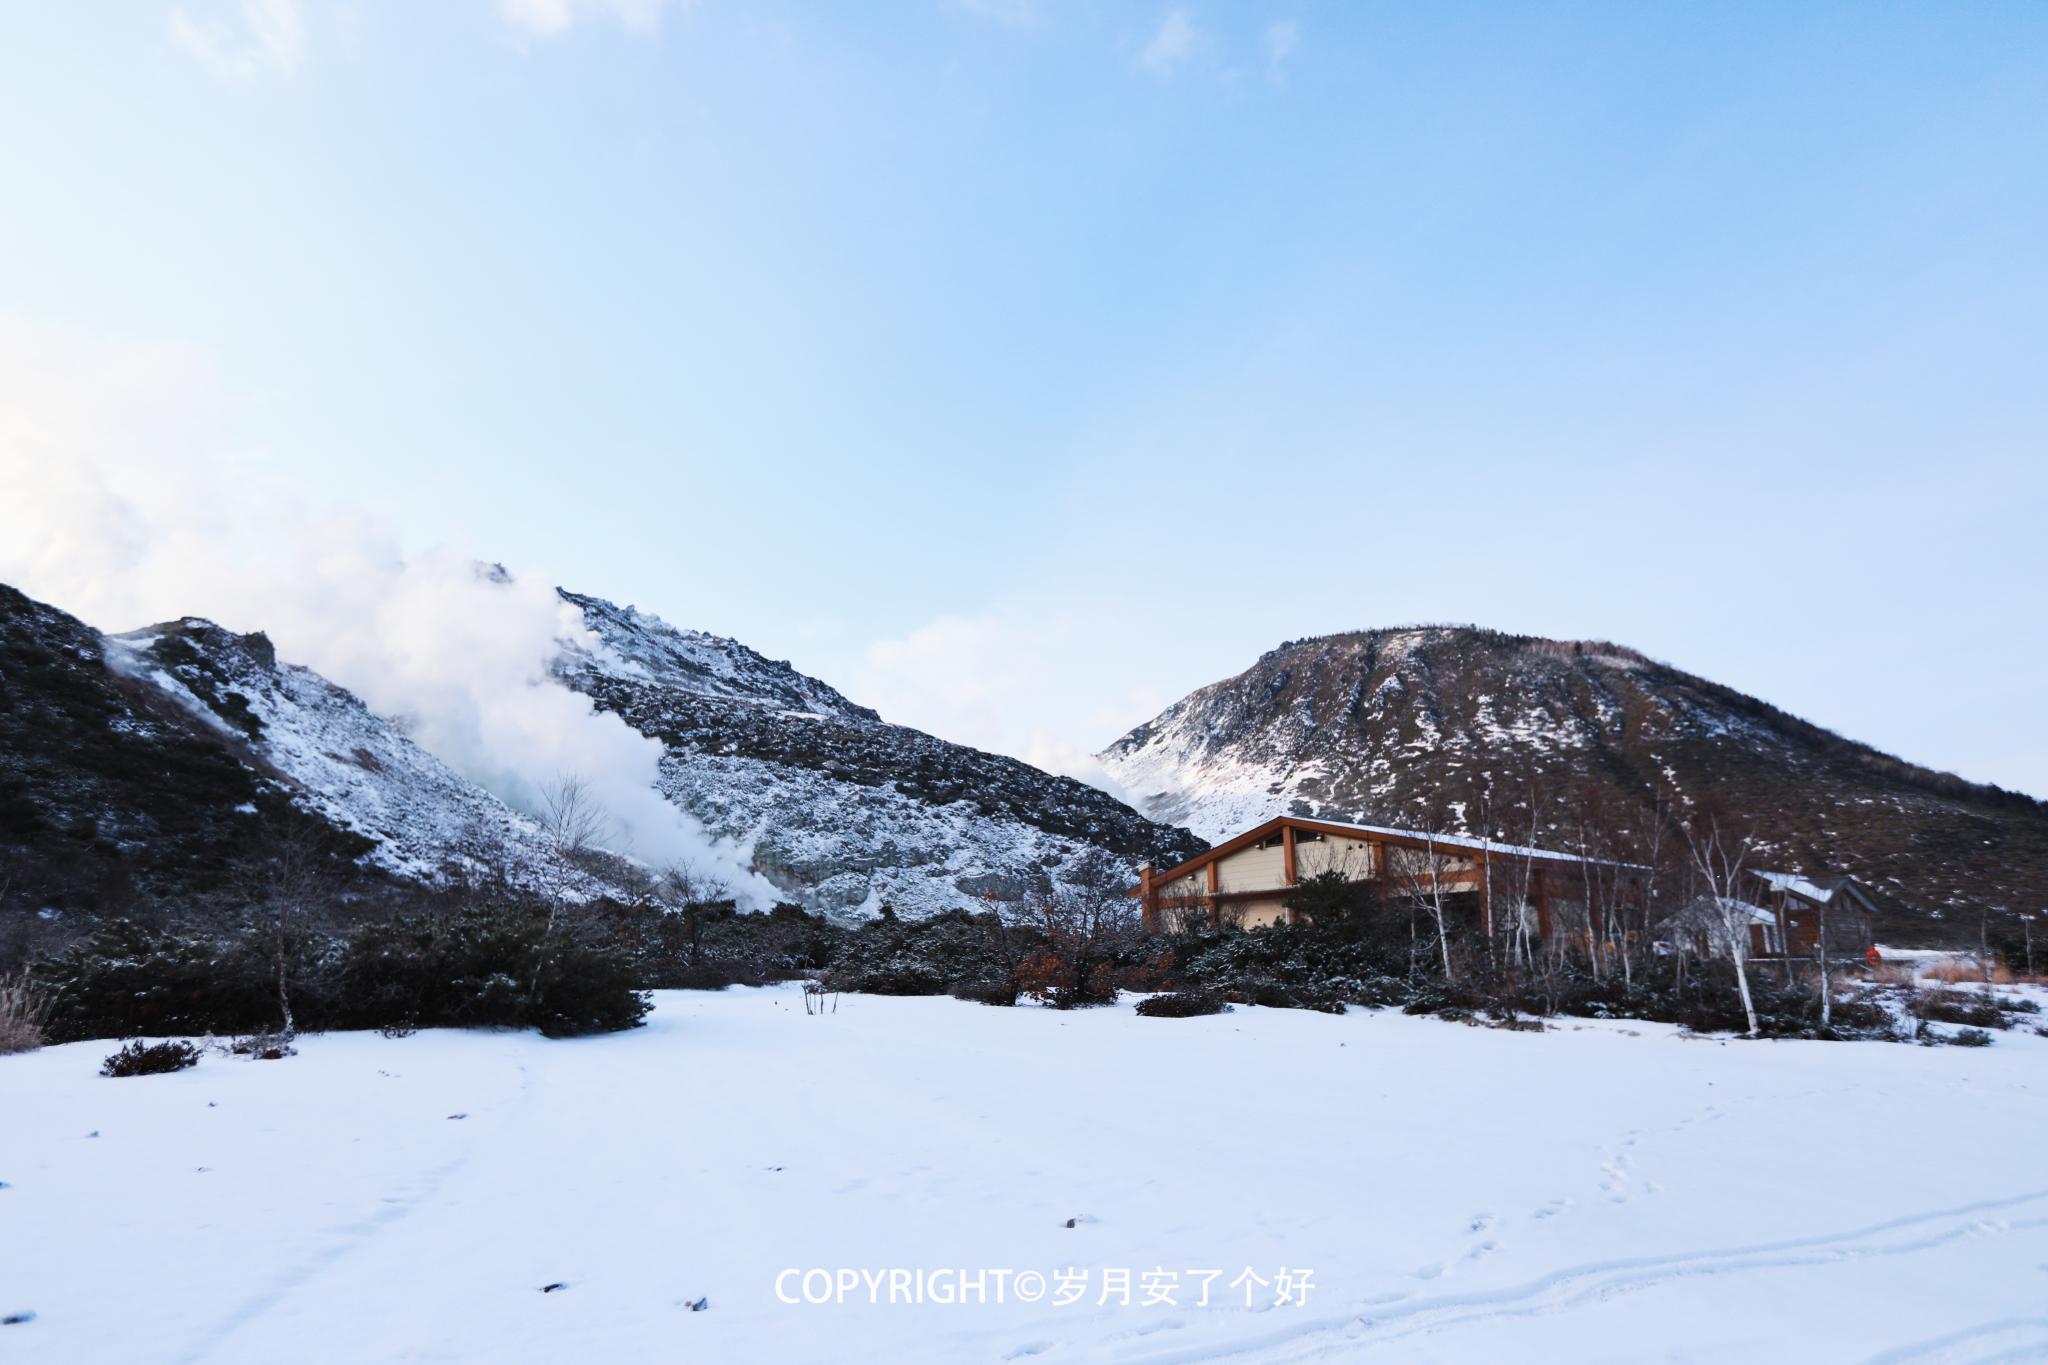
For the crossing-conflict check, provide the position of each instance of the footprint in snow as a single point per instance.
(1555, 1206)
(1482, 1222)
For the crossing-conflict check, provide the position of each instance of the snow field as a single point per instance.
(1603, 1192)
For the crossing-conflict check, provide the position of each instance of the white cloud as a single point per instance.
(1177, 40)
(546, 18)
(122, 509)
(270, 36)
(1281, 40)
(1048, 751)
(1018, 681)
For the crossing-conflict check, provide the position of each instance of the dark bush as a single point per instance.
(712, 976)
(1972, 1037)
(497, 965)
(127, 980)
(1182, 1005)
(494, 966)
(985, 992)
(155, 1059)
(713, 945)
(1306, 967)
(924, 957)
(264, 1047)
(904, 976)
(1959, 1007)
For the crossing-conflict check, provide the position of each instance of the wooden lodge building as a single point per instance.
(1244, 881)
(1789, 910)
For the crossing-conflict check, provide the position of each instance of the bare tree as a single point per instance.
(285, 892)
(1820, 948)
(685, 889)
(574, 819)
(1720, 860)
(1427, 877)
(1088, 922)
(575, 822)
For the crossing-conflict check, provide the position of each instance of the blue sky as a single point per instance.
(1018, 366)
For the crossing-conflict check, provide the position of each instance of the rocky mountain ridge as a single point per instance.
(844, 812)
(144, 765)
(149, 764)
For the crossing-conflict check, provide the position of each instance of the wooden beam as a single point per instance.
(1287, 861)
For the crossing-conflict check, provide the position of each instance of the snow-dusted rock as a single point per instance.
(844, 812)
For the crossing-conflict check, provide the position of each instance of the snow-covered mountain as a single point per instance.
(843, 812)
(320, 741)
(148, 765)
(1487, 732)
(154, 757)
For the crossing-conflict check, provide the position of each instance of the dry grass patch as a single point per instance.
(21, 1020)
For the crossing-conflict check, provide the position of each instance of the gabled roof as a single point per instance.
(1816, 890)
(1757, 914)
(1402, 838)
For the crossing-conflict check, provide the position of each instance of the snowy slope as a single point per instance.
(1595, 1195)
(843, 812)
(1488, 733)
(633, 645)
(293, 725)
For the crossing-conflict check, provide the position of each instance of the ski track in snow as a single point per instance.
(1591, 1285)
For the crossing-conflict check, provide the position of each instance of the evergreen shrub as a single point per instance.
(154, 1059)
(1181, 1004)
(495, 965)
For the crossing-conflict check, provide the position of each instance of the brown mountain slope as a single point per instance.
(1505, 734)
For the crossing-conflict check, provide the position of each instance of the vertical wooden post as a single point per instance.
(1148, 899)
(1215, 905)
(1486, 893)
(1540, 892)
(1287, 866)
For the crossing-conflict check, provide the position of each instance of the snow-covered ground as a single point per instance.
(1604, 1192)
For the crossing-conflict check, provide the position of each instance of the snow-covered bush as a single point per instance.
(499, 965)
(138, 1059)
(986, 992)
(710, 945)
(893, 956)
(1958, 1007)
(496, 964)
(127, 980)
(1181, 1005)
